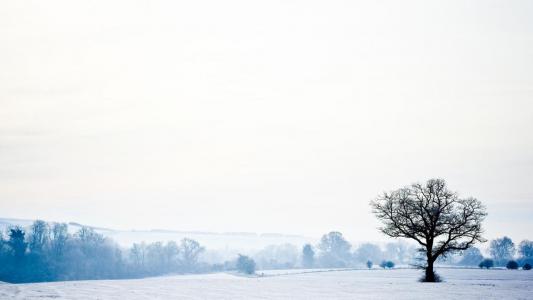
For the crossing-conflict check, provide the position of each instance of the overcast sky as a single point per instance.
(266, 116)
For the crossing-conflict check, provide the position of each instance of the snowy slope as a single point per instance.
(359, 284)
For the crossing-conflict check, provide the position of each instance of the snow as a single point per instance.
(324, 284)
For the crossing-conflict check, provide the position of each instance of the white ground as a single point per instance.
(358, 284)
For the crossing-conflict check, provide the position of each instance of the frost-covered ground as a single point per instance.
(354, 284)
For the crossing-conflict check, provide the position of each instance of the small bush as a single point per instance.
(486, 263)
(526, 267)
(512, 265)
(369, 264)
(245, 264)
(387, 264)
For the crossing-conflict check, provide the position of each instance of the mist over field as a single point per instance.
(280, 149)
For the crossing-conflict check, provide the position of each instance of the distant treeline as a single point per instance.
(334, 251)
(48, 252)
(502, 251)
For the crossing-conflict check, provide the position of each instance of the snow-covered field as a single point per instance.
(355, 284)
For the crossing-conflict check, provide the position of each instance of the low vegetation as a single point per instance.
(245, 264)
(486, 263)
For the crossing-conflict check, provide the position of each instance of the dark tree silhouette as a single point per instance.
(433, 216)
(512, 265)
(486, 263)
(369, 264)
(17, 243)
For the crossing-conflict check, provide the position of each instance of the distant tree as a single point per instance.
(39, 236)
(2, 245)
(3, 251)
(39, 253)
(155, 258)
(13, 256)
(369, 264)
(308, 256)
(525, 249)
(432, 215)
(59, 238)
(245, 264)
(189, 251)
(526, 267)
(486, 263)
(137, 256)
(512, 265)
(171, 256)
(100, 257)
(89, 241)
(334, 250)
(17, 242)
(502, 250)
(471, 257)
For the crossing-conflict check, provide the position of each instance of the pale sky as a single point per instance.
(265, 116)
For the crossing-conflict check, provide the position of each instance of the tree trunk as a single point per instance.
(430, 275)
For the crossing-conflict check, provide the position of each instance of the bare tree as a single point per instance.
(138, 256)
(433, 216)
(502, 250)
(334, 250)
(190, 251)
(59, 239)
(525, 249)
(39, 236)
(171, 253)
